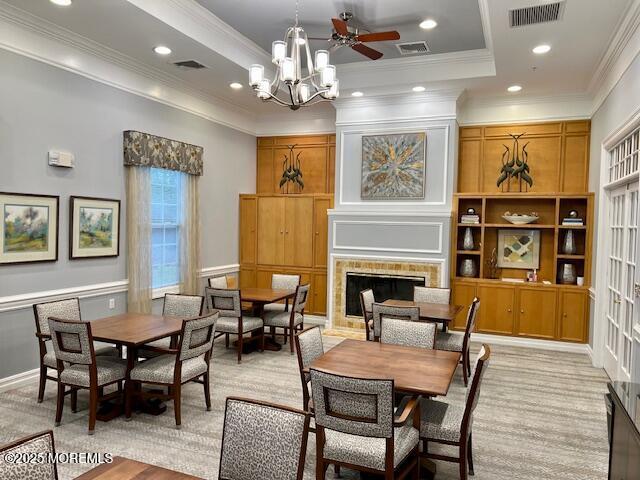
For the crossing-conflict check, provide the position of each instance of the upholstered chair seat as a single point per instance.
(441, 420)
(161, 369)
(109, 370)
(230, 324)
(32, 446)
(369, 451)
(281, 319)
(451, 342)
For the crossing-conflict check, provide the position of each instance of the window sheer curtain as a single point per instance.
(189, 242)
(138, 185)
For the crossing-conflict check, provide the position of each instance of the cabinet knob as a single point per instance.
(317, 233)
(509, 310)
(521, 311)
(281, 232)
(564, 314)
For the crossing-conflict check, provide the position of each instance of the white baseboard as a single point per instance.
(531, 343)
(19, 380)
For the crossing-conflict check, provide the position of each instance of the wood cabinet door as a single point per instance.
(496, 309)
(463, 294)
(537, 312)
(265, 172)
(298, 232)
(573, 316)
(320, 226)
(271, 215)
(319, 294)
(248, 224)
(247, 277)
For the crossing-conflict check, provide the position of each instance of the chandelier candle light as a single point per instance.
(319, 85)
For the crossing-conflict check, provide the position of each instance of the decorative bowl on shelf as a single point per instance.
(518, 219)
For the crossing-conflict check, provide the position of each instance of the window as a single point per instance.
(165, 224)
(623, 160)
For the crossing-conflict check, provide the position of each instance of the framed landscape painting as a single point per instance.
(94, 228)
(519, 249)
(393, 166)
(29, 228)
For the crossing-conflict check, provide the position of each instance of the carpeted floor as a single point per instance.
(541, 416)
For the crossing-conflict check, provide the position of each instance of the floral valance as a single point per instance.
(144, 149)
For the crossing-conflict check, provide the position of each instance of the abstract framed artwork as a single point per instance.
(29, 228)
(518, 248)
(94, 227)
(393, 166)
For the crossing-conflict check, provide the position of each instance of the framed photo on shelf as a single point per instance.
(519, 248)
(94, 227)
(29, 228)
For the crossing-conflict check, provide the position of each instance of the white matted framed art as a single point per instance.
(519, 248)
(94, 227)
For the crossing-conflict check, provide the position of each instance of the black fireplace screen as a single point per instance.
(384, 287)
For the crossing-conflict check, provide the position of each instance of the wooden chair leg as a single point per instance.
(93, 408)
(291, 332)
(470, 455)
(226, 340)
(416, 469)
(240, 338)
(128, 392)
(42, 384)
(59, 403)
(207, 391)
(273, 333)
(74, 400)
(176, 404)
(463, 460)
(336, 470)
(262, 340)
(321, 469)
(285, 335)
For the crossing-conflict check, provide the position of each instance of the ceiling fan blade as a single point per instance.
(340, 26)
(378, 36)
(367, 51)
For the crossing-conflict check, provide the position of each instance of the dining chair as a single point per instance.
(175, 305)
(292, 320)
(450, 424)
(41, 444)
(232, 321)
(188, 362)
(80, 368)
(356, 426)
(262, 441)
(454, 342)
(218, 282)
(408, 333)
(281, 281)
(431, 294)
(68, 309)
(366, 305)
(309, 347)
(380, 310)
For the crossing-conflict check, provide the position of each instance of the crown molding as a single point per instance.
(448, 95)
(39, 39)
(623, 48)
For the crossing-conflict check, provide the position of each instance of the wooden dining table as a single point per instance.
(126, 469)
(260, 297)
(430, 312)
(414, 370)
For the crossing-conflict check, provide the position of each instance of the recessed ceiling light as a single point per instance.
(235, 85)
(514, 88)
(61, 3)
(540, 49)
(162, 50)
(428, 24)
(419, 88)
(357, 94)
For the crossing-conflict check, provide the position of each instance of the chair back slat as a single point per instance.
(197, 336)
(72, 341)
(300, 300)
(404, 313)
(431, 295)
(68, 309)
(410, 334)
(218, 282)
(262, 441)
(225, 301)
(477, 375)
(366, 302)
(472, 315)
(40, 443)
(281, 281)
(357, 406)
(183, 306)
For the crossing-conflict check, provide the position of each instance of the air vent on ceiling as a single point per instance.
(189, 64)
(549, 12)
(412, 48)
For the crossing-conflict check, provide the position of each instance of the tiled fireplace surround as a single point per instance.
(431, 271)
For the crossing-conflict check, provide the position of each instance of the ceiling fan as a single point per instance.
(347, 35)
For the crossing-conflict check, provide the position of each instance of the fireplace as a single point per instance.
(384, 287)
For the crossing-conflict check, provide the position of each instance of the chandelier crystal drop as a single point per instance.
(290, 88)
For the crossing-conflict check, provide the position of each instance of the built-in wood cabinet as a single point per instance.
(572, 314)
(287, 234)
(496, 309)
(537, 312)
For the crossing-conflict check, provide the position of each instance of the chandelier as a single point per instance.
(290, 88)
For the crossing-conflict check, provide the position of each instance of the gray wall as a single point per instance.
(619, 105)
(43, 108)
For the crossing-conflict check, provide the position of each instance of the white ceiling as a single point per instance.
(133, 27)
(459, 22)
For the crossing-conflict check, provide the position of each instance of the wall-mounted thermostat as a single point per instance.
(61, 159)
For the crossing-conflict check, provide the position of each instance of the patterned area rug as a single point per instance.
(541, 416)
